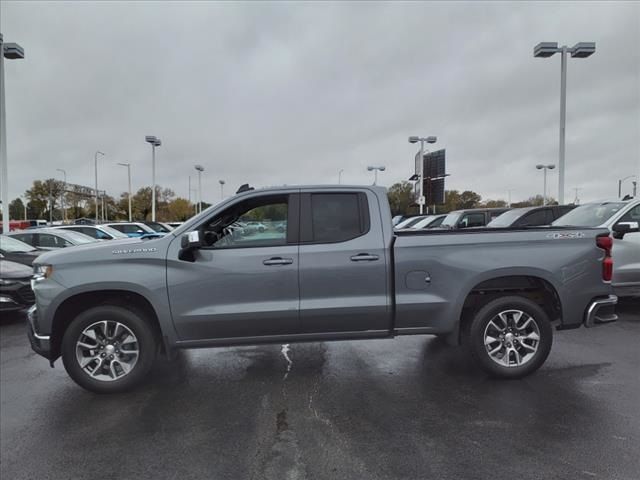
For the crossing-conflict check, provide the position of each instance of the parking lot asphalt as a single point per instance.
(408, 408)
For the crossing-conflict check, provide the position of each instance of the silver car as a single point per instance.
(52, 238)
(622, 217)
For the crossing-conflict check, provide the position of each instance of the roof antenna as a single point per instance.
(244, 188)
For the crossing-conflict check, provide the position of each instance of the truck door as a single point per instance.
(343, 264)
(243, 282)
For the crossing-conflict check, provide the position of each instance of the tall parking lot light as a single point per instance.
(155, 142)
(221, 182)
(95, 162)
(12, 51)
(381, 168)
(422, 140)
(128, 165)
(579, 50)
(545, 168)
(200, 169)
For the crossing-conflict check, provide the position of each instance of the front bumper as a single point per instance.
(16, 296)
(600, 311)
(41, 344)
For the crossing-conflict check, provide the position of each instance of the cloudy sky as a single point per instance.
(289, 93)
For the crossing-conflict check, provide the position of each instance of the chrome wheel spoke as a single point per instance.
(514, 344)
(102, 354)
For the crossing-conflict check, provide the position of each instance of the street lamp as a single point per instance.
(64, 210)
(12, 51)
(422, 140)
(155, 142)
(620, 185)
(579, 50)
(221, 182)
(128, 165)
(200, 169)
(340, 175)
(545, 168)
(95, 160)
(381, 168)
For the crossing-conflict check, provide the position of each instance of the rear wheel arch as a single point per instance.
(532, 287)
(71, 307)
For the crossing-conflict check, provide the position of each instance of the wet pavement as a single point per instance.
(408, 408)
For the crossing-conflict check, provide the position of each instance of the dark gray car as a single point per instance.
(16, 251)
(52, 238)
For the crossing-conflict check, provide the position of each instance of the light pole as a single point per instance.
(340, 175)
(422, 140)
(545, 168)
(221, 182)
(155, 142)
(95, 160)
(128, 165)
(25, 208)
(200, 169)
(64, 209)
(12, 51)
(620, 185)
(579, 50)
(509, 194)
(381, 168)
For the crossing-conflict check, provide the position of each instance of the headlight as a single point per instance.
(41, 272)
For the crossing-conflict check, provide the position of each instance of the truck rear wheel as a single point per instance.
(108, 349)
(510, 337)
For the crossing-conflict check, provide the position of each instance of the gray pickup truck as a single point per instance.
(326, 266)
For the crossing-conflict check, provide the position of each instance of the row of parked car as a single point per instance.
(486, 217)
(621, 217)
(18, 250)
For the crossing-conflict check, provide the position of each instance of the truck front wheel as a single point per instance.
(108, 349)
(510, 337)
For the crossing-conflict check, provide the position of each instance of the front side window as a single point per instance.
(257, 222)
(48, 241)
(632, 215)
(336, 217)
(532, 219)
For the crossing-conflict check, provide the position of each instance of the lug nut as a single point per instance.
(111, 357)
(102, 355)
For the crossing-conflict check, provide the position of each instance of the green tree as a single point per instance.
(179, 210)
(16, 209)
(401, 198)
(495, 203)
(469, 199)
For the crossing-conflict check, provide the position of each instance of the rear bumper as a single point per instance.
(601, 310)
(41, 344)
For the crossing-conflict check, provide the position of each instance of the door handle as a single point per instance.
(278, 261)
(364, 257)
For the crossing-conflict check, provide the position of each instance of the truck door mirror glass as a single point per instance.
(620, 229)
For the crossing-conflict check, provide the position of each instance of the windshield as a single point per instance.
(590, 215)
(113, 232)
(78, 238)
(409, 222)
(157, 227)
(424, 222)
(11, 245)
(506, 219)
(451, 220)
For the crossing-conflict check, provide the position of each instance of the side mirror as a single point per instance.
(622, 228)
(191, 240)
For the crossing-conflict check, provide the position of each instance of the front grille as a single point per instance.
(26, 295)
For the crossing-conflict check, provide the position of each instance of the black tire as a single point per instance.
(147, 346)
(474, 337)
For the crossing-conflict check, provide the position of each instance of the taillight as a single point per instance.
(605, 242)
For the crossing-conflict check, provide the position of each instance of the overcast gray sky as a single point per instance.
(290, 92)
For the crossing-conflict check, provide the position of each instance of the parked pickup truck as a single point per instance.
(337, 271)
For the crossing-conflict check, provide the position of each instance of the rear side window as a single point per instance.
(334, 217)
(536, 218)
(472, 220)
(26, 238)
